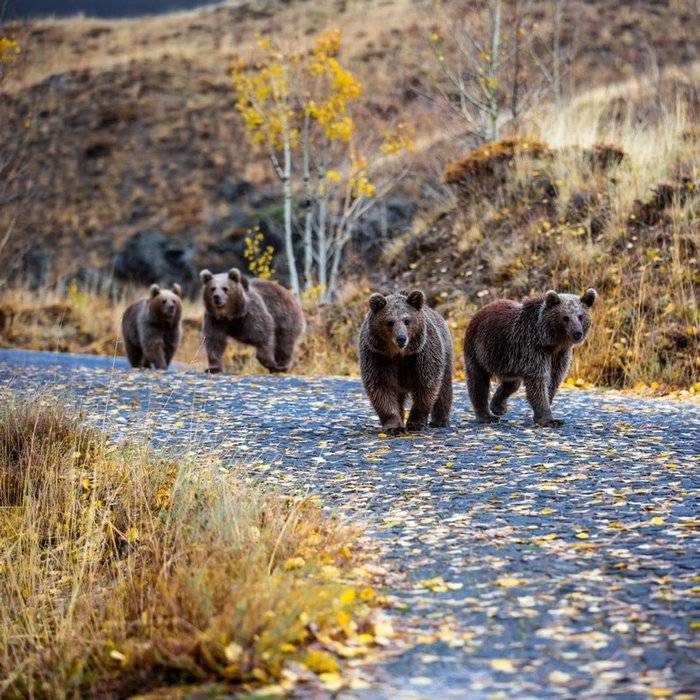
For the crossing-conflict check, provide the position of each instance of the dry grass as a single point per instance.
(614, 205)
(122, 571)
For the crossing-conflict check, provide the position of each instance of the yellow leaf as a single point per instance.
(331, 681)
(320, 661)
(546, 511)
(582, 535)
(660, 693)
(294, 563)
(367, 594)
(503, 665)
(347, 596)
(656, 521)
(509, 582)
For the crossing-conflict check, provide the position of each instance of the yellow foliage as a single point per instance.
(259, 260)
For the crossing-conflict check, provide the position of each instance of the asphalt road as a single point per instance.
(530, 563)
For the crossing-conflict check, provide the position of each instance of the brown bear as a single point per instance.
(151, 328)
(406, 348)
(255, 312)
(530, 342)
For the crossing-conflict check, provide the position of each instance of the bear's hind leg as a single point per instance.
(440, 413)
(266, 357)
(284, 350)
(133, 352)
(499, 400)
(478, 382)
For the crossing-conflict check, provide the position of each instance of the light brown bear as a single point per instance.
(255, 312)
(406, 348)
(151, 328)
(530, 343)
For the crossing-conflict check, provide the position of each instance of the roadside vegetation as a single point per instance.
(125, 571)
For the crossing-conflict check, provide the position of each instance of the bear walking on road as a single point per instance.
(530, 343)
(151, 328)
(406, 348)
(255, 312)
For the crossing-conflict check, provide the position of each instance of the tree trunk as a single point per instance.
(322, 240)
(495, 11)
(288, 242)
(309, 215)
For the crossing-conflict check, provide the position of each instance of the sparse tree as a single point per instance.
(299, 108)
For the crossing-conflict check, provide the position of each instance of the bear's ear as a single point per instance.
(416, 299)
(154, 290)
(177, 289)
(551, 298)
(234, 274)
(205, 276)
(377, 302)
(589, 297)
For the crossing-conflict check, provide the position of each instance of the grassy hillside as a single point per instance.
(118, 126)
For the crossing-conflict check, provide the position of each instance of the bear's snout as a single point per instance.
(401, 340)
(218, 299)
(577, 335)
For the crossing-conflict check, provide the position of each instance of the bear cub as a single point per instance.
(255, 312)
(151, 328)
(406, 348)
(530, 343)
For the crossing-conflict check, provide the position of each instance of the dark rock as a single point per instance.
(150, 256)
(232, 190)
(387, 219)
(580, 205)
(35, 268)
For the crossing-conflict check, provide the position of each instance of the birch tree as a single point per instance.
(299, 109)
(482, 61)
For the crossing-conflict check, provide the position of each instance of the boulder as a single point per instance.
(150, 256)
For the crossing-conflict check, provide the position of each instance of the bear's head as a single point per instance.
(566, 317)
(165, 305)
(225, 295)
(397, 322)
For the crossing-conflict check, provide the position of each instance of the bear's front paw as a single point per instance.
(549, 422)
(487, 418)
(498, 409)
(395, 430)
(443, 423)
(213, 370)
(416, 425)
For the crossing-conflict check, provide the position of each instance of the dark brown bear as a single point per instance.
(406, 348)
(151, 328)
(530, 342)
(255, 312)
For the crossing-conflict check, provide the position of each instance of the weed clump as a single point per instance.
(122, 570)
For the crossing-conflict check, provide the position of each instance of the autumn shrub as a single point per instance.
(124, 571)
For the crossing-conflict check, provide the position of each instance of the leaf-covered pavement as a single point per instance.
(527, 562)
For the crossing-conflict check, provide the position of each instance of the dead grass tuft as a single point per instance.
(123, 571)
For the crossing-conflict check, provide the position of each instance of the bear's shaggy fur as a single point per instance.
(406, 348)
(151, 328)
(255, 312)
(531, 343)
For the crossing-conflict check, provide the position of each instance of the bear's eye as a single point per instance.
(225, 290)
(407, 320)
(390, 323)
(580, 317)
(565, 319)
